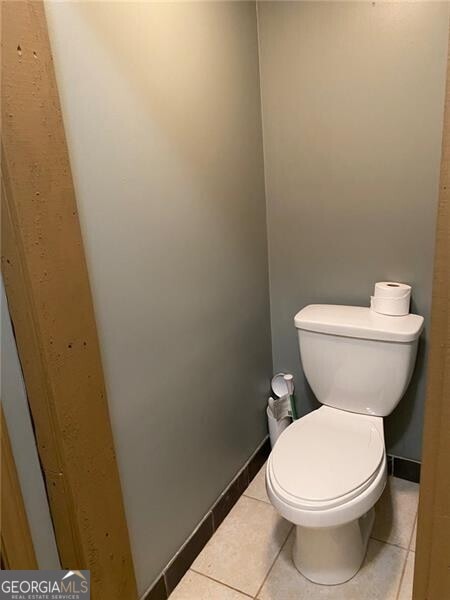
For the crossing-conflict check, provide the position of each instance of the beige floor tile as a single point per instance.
(396, 512)
(197, 587)
(257, 488)
(413, 539)
(244, 547)
(406, 586)
(378, 578)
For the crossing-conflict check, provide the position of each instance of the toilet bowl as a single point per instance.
(324, 475)
(328, 469)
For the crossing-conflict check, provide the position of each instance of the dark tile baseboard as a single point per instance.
(188, 553)
(404, 468)
(158, 591)
(183, 559)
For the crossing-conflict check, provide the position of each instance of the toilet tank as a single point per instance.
(356, 359)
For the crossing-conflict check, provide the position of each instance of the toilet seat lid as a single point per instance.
(327, 454)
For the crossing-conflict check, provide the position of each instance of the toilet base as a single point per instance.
(332, 555)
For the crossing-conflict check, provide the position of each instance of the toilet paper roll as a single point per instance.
(391, 289)
(391, 298)
(395, 307)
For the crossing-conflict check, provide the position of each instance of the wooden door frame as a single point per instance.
(17, 550)
(432, 565)
(49, 297)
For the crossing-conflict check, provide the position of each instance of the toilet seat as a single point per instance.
(326, 459)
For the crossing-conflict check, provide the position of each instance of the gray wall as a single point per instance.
(23, 444)
(352, 97)
(161, 104)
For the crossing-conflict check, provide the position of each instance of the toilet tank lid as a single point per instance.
(358, 322)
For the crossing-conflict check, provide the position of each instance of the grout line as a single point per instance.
(404, 479)
(227, 585)
(257, 499)
(389, 543)
(408, 552)
(419, 462)
(241, 471)
(402, 576)
(408, 547)
(274, 561)
(183, 546)
(413, 529)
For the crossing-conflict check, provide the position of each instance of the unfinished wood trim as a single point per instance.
(17, 548)
(50, 301)
(432, 568)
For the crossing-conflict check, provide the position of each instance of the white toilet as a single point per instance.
(328, 469)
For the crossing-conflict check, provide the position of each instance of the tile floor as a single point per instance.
(249, 556)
